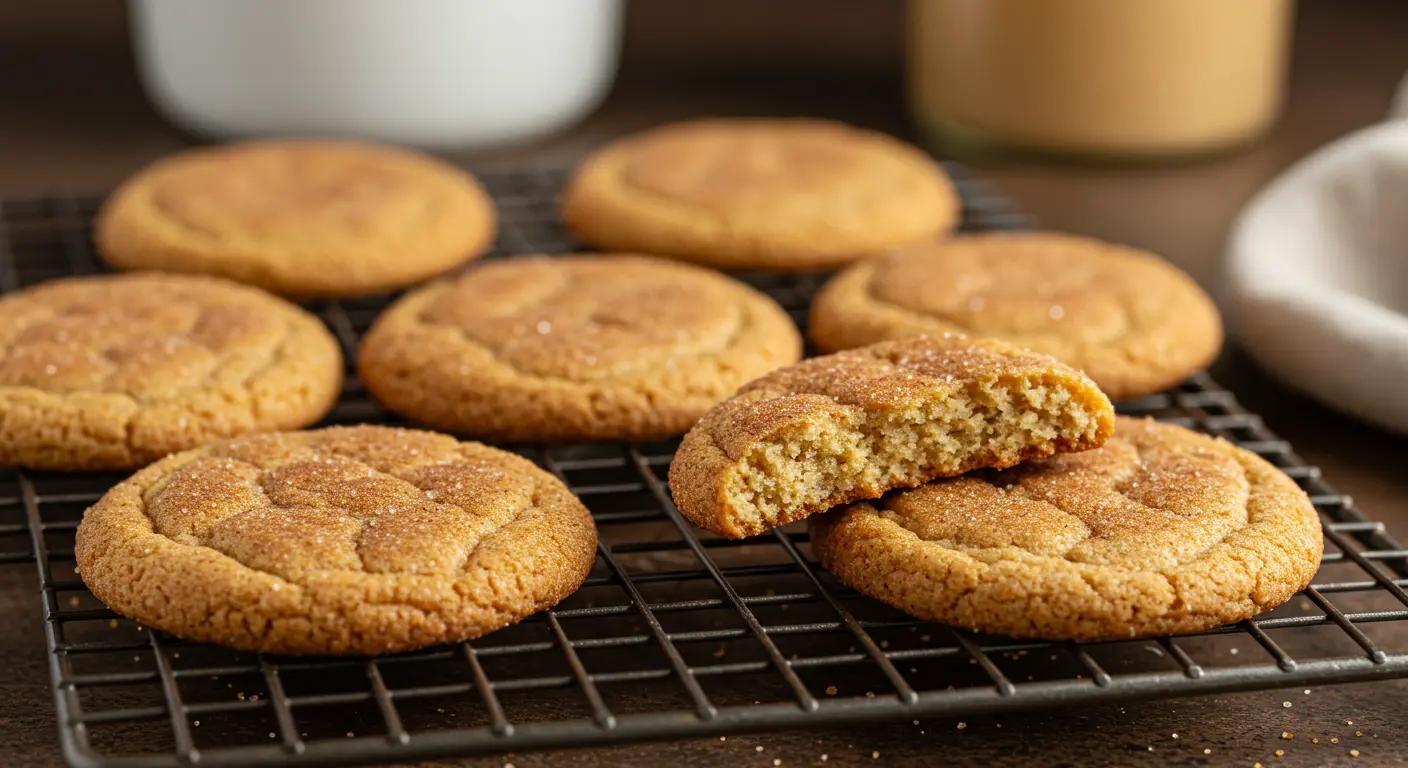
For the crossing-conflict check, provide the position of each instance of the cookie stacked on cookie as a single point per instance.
(956, 455)
(975, 484)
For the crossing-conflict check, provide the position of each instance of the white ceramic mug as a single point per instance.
(440, 73)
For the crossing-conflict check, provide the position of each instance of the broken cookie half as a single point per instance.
(853, 425)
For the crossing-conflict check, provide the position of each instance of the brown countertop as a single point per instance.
(75, 119)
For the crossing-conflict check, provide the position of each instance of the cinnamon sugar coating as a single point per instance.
(298, 217)
(1133, 322)
(1162, 530)
(759, 194)
(573, 347)
(114, 371)
(855, 424)
(348, 540)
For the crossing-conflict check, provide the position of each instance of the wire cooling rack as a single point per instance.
(676, 633)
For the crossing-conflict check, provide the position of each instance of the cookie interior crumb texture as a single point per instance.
(853, 425)
(298, 217)
(759, 194)
(1130, 320)
(1160, 531)
(593, 347)
(342, 541)
(114, 371)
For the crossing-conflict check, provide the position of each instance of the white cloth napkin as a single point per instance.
(1318, 274)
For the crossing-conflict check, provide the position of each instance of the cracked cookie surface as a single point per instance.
(1133, 322)
(1162, 530)
(341, 541)
(299, 218)
(573, 347)
(855, 424)
(114, 371)
(759, 194)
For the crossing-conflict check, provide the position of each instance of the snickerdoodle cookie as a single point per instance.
(573, 348)
(1132, 321)
(855, 424)
(776, 194)
(1162, 530)
(347, 540)
(115, 371)
(302, 218)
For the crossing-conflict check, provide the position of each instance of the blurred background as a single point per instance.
(1153, 123)
(1248, 88)
(73, 114)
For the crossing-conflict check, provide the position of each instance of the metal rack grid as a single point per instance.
(676, 633)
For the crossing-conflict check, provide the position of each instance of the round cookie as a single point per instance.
(300, 218)
(115, 371)
(1160, 531)
(853, 425)
(1132, 321)
(342, 541)
(573, 348)
(789, 195)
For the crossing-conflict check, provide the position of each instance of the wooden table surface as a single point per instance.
(72, 117)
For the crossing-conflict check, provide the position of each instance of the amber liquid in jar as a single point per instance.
(1097, 79)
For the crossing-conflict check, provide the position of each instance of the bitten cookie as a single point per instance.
(1132, 321)
(790, 195)
(341, 541)
(1160, 531)
(115, 371)
(573, 348)
(855, 424)
(301, 218)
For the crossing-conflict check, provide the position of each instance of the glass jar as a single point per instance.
(1097, 79)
